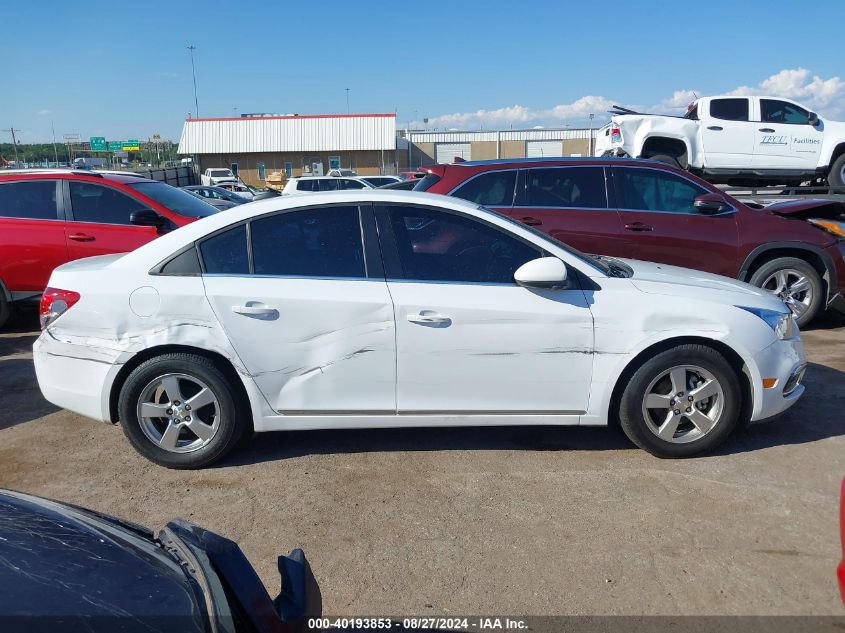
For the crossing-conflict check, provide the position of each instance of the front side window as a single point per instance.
(654, 190)
(772, 111)
(493, 189)
(327, 184)
(306, 185)
(435, 245)
(105, 205)
(322, 242)
(226, 252)
(729, 109)
(34, 200)
(573, 187)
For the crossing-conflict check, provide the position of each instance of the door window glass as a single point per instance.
(327, 184)
(729, 109)
(435, 245)
(575, 187)
(34, 199)
(351, 184)
(772, 111)
(101, 204)
(493, 189)
(323, 242)
(225, 253)
(654, 190)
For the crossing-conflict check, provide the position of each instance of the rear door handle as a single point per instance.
(638, 226)
(429, 317)
(715, 128)
(531, 221)
(255, 308)
(81, 237)
(767, 130)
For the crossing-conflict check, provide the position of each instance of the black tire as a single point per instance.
(668, 160)
(836, 176)
(232, 424)
(5, 310)
(632, 418)
(817, 287)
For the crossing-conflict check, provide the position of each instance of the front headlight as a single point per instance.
(782, 323)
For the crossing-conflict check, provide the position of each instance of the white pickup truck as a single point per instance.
(215, 175)
(735, 140)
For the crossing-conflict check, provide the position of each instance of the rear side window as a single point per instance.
(34, 200)
(654, 190)
(493, 189)
(574, 187)
(772, 111)
(351, 184)
(98, 203)
(226, 253)
(729, 109)
(322, 242)
(305, 185)
(326, 184)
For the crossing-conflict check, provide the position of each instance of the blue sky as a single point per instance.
(122, 70)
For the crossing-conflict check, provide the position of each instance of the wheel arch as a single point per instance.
(731, 355)
(676, 147)
(220, 360)
(838, 150)
(813, 255)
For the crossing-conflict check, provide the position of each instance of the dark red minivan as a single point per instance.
(642, 209)
(48, 218)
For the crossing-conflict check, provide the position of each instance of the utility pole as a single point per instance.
(192, 48)
(12, 131)
(592, 116)
(55, 151)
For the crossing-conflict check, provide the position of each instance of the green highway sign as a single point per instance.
(98, 144)
(115, 146)
(132, 145)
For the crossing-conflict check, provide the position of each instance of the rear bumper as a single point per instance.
(785, 362)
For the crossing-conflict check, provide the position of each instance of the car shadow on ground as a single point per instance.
(810, 420)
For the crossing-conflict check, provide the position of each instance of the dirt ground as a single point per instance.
(523, 521)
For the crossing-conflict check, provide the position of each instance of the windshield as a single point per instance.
(174, 199)
(220, 172)
(601, 264)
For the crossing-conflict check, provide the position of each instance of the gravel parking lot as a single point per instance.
(491, 520)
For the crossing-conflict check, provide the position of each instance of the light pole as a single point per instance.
(192, 48)
(347, 100)
(592, 116)
(12, 131)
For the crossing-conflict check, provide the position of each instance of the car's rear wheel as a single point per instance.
(180, 411)
(796, 283)
(836, 177)
(682, 402)
(665, 158)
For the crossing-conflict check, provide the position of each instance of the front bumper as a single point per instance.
(783, 361)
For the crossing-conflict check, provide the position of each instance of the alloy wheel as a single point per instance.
(683, 404)
(792, 287)
(178, 413)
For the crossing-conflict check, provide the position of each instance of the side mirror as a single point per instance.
(146, 217)
(711, 203)
(543, 272)
(813, 118)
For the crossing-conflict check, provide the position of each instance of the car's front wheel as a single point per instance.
(796, 283)
(180, 411)
(682, 402)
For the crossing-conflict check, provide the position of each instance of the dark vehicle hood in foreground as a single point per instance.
(57, 560)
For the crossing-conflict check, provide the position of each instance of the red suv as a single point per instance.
(642, 209)
(49, 218)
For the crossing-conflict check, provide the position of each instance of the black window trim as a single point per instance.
(390, 250)
(373, 266)
(60, 207)
(478, 175)
(522, 189)
(730, 211)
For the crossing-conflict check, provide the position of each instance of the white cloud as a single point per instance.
(826, 96)
(45, 112)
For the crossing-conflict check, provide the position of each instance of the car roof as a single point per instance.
(73, 174)
(599, 160)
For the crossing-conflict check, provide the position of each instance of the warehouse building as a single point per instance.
(293, 145)
(426, 148)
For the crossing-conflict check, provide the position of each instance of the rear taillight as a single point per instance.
(615, 135)
(54, 303)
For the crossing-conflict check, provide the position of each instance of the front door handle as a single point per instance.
(81, 237)
(429, 317)
(715, 128)
(255, 308)
(767, 130)
(638, 226)
(531, 221)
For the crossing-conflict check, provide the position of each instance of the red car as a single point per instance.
(49, 218)
(642, 209)
(840, 571)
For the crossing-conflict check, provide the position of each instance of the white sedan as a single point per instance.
(394, 309)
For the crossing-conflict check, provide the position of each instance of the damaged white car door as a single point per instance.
(306, 309)
(469, 339)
